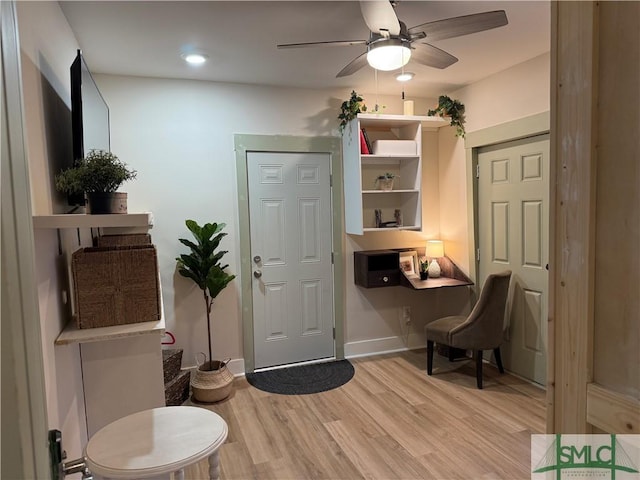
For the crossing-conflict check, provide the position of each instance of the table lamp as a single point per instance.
(434, 250)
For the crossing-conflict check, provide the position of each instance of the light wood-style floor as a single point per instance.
(391, 421)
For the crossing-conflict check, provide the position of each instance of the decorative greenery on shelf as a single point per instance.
(453, 109)
(350, 109)
(99, 171)
(386, 176)
(202, 265)
(424, 264)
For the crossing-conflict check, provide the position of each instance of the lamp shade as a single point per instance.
(435, 249)
(388, 55)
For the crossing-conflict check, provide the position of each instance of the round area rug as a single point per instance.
(303, 379)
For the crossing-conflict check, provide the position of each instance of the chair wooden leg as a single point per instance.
(452, 355)
(496, 353)
(479, 368)
(429, 357)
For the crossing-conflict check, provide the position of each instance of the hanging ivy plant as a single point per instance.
(350, 109)
(452, 109)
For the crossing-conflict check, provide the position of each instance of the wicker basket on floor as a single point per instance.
(210, 386)
(116, 285)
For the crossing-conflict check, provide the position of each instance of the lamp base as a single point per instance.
(434, 269)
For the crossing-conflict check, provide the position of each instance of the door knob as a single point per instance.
(257, 274)
(257, 259)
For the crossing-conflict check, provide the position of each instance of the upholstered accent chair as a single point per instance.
(482, 329)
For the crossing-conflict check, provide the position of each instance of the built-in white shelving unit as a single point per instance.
(362, 198)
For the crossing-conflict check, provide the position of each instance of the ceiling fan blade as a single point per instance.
(432, 56)
(337, 43)
(380, 17)
(458, 26)
(354, 66)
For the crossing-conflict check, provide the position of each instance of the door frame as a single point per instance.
(24, 407)
(245, 143)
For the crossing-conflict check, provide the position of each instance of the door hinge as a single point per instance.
(477, 254)
(334, 333)
(331, 180)
(477, 170)
(332, 258)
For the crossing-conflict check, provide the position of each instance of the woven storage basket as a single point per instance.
(210, 386)
(116, 285)
(125, 239)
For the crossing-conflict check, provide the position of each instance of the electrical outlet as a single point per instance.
(406, 314)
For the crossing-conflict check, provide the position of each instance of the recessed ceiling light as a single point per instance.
(405, 76)
(194, 58)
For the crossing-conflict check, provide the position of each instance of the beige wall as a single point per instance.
(518, 92)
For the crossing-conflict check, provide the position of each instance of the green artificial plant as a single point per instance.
(350, 109)
(202, 265)
(385, 176)
(453, 109)
(99, 171)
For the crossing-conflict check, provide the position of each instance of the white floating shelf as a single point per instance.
(389, 191)
(374, 120)
(390, 229)
(82, 220)
(386, 159)
(72, 334)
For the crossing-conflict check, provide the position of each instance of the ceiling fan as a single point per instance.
(389, 36)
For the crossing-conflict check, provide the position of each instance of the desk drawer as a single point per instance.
(376, 268)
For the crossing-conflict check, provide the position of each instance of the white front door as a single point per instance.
(292, 282)
(513, 196)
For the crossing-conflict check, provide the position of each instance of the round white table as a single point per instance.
(157, 442)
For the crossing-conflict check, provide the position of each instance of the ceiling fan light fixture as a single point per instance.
(389, 54)
(194, 58)
(405, 76)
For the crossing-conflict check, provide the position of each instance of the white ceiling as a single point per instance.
(146, 38)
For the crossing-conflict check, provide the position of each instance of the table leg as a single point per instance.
(179, 475)
(214, 466)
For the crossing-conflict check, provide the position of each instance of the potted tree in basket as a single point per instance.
(212, 380)
(98, 176)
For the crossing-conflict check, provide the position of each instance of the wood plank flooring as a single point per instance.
(391, 421)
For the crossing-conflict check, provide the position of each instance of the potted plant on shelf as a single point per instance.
(385, 181)
(97, 176)
(212, 380)
(424, 268)
(452, 109)
(350, 109)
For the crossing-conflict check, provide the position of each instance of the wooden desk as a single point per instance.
(157, 442)
(417, 284)
(451, 276)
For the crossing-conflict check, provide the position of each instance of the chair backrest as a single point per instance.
(483, 328)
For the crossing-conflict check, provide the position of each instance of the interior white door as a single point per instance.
(513, 224)
(292, 284)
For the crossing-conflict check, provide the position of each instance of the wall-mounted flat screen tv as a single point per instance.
(89, 116)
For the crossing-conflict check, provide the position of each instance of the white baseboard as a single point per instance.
(378, 346)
